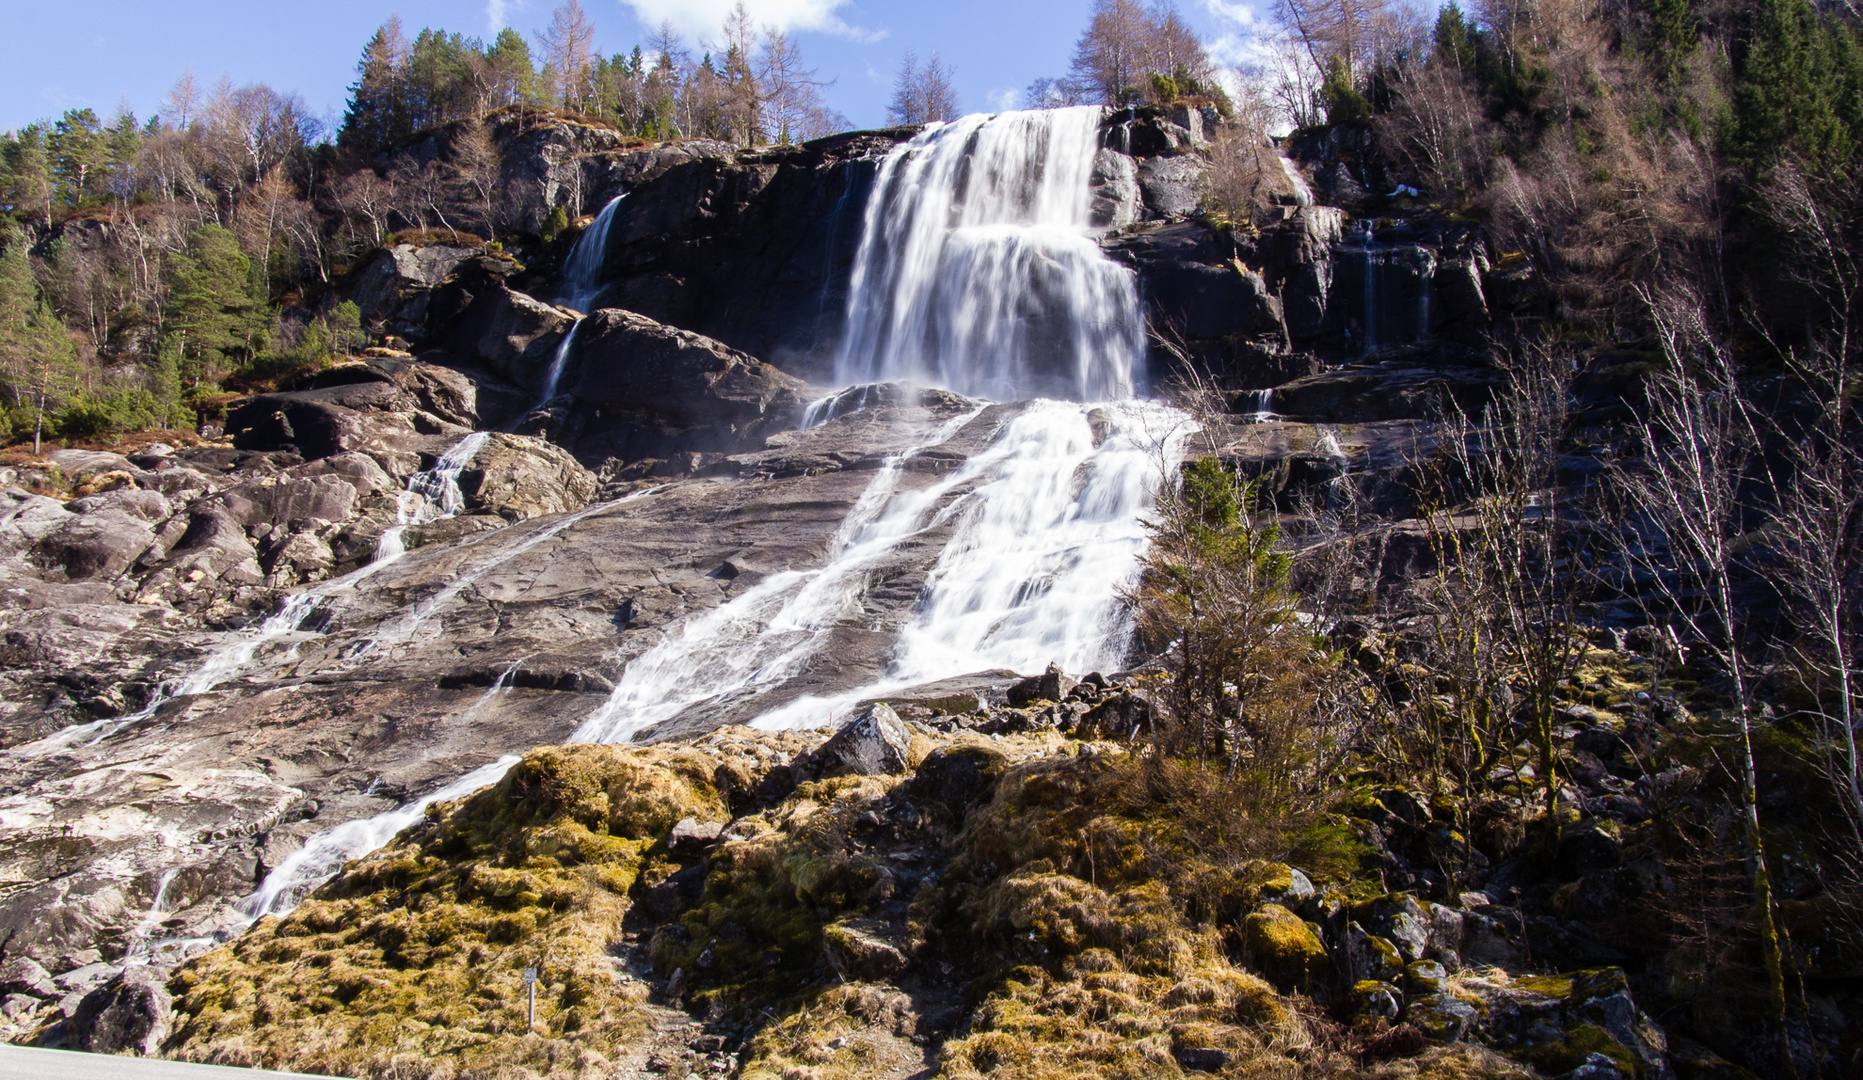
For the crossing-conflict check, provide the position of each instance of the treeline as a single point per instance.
(154, 268)
(750, 87)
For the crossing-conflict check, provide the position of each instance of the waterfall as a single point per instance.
(582, 271)
(976, 271)
(557, 363)
(430, 496)
(1303, 192)
(1392, 286)
(1262, 410)
(582, 286)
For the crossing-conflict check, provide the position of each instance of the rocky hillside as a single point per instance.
(222, 649)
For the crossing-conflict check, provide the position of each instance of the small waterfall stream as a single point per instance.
(1384, 290)
(430, 495)
(582, 286)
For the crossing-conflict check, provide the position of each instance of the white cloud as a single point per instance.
(700, 20)
(495, 15)
(1004, 99)
(1229, 11)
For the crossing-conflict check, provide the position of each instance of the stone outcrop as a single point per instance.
(636, 389)
(393, 290)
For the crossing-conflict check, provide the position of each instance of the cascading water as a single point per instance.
(1383, 290)
(1303, 192)
(976, 272)
(429, 496)
(325, 854)
(582, 286)
(582, 271)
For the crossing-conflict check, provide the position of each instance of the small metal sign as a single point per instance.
(530, 976)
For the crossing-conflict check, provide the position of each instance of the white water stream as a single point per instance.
(582, 286)
(429, 496)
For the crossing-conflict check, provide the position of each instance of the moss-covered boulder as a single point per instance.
(1284, 948)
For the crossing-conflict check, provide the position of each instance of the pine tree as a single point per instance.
(26, 174)
(1674, 34)
(163, 382)
(79, 154)
(378, 110)
(210, 307)
(1791, 86)
(17, 299)
(51, 366)
(1455, 39)
(514, 75)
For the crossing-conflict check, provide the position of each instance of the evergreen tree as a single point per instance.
(1674, 34)
(513, 74)
(1792, 97)
(378, 110)
(17, 299)
(210, 307)
(79, 154)
(163, 381)
(123, 145)
(1455, 39)
(50, 364)
(26, 174)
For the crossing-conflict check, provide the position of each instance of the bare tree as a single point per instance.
(790, 95)
(1112, 55)
(922, 94)
(366, 198)
(569, 52)
(183, 103)
(472, 173)
(1684, 530)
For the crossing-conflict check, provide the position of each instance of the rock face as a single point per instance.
(500, 629)
(392, 292)
(640, 389)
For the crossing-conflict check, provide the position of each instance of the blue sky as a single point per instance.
(104, 52)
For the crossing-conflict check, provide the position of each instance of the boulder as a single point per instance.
(1051, 685)
(1398, 919)
(692, 835)
(640, 389)
(511, 334)
(1371, 958)
(861, 950)
(518, 478)
(874, 742)
(393, 290)
(1170, 185)
(1443, 1017)
(1117, 200)
(130, 1014)
(1284, 949)
(24, 975)
(1559, 1023)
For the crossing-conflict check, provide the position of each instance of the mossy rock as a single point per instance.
(1284, 948)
